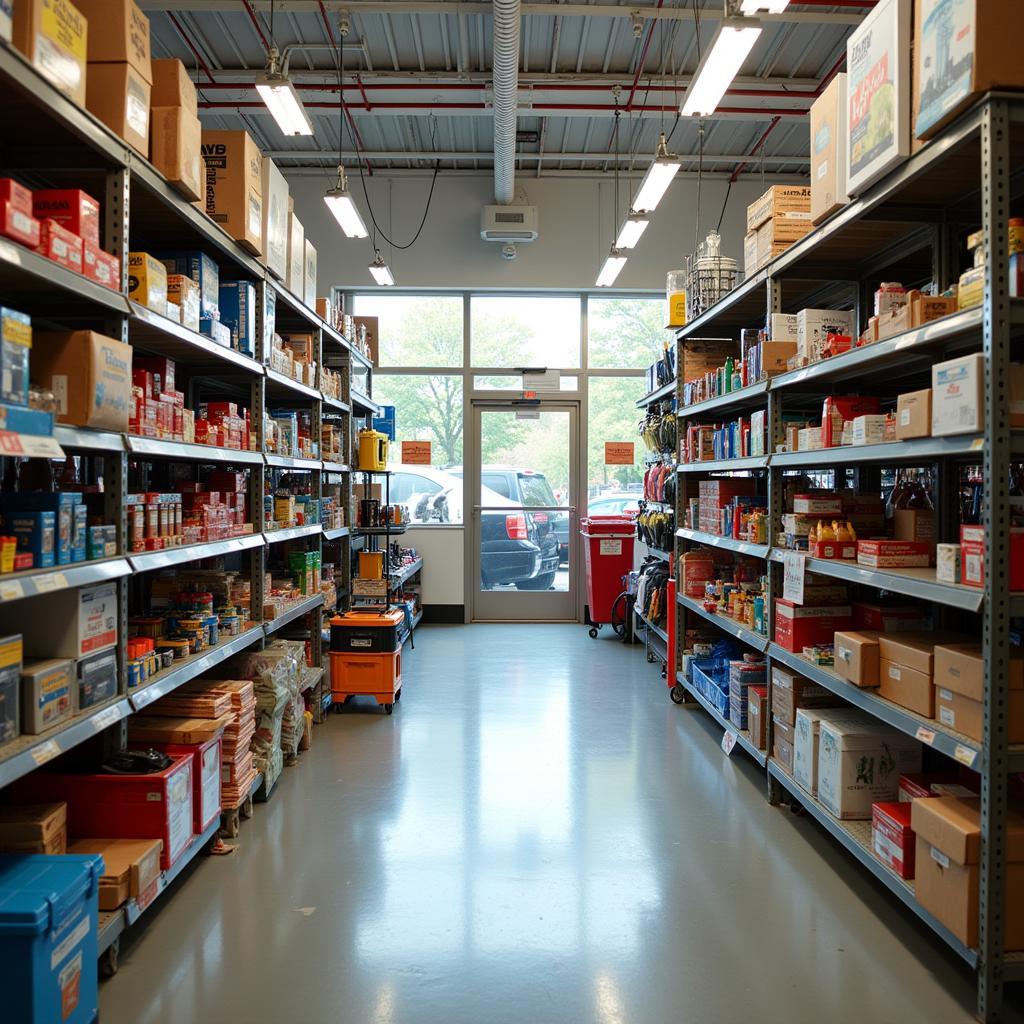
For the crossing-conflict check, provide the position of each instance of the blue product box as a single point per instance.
(21, 420)
(79, 533)
(49, 922)
(202, 269)
(385, 423)
(15, 346)
(238, 311)
(62, 504)
(215, 331)
(35, 532)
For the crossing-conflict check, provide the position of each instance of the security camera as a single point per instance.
(509, 252)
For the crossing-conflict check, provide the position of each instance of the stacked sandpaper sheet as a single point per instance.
(236, 760)
(186, 702)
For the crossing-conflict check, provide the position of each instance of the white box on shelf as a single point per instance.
(958, 402)
(275, 219)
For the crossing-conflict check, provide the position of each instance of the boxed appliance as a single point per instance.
(47, 694)
(275, 219)
(296, 254)
(309, 274)
(119, 96)
(89, 374)
(147, 282)
(206, 274)
(856, 657)
(799, 626)
(958, 395)
(130, 867)
(828, 150)
(878, 94)
(805, 748)
(914, 415)
(233, 195)
(172, 86)
(892, 838)
(77, 622)
(948, 830)
(175, 147)
(959, 690)
(791, 691)
(961, 50)
(780, 202)
(53, 35)
(34, 828)
(860, 762)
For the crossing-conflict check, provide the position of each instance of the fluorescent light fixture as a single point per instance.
(610, 268)
(277, 91)
(631, 231)
(763, 6)
(729, 49)
(381, 271)
(656, 181)
(343, 206)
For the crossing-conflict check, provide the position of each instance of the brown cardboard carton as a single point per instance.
(914, 524)
(175, 142)
(232, 190)
(856, 657)
(779, 199)
(156, 729)
(791, 691)
(172, 86)
(296, 269)
(914, 414)
(913, 649)
(907, 687)
(119, 96)
(53, 35)
(828, 151)
(130, 867)
(966, 715)
(34, 828)
(757, 716)
(120, 34)
(981, 53)
(372, 335)
(783, 736)
(698, 356)
(89, 374)
(775, 356)
(960, 668)
(750, 264)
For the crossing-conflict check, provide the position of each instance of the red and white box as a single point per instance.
(892, 838)
(18, 225)
(60, 245)
(842, 549)
(72, 208)
(100, 266)
(894, 554)
(972, 555)
(16, 194)
(799, 626)
(818, 504)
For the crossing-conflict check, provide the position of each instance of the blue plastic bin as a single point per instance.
(49, 909)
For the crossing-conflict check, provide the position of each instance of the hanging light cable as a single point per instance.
(338, 199)
(615, 260)
(278, 93)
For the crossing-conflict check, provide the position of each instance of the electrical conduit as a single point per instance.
(506, 88)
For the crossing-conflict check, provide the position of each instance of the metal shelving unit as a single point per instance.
(908, 225)
(667, 390)
(741, 736)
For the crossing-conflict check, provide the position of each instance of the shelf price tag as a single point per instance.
(45, 752)
(925, 735)
(728, 741)
(11, 590)
(793, 565)
(965, 755)
(105, 718)
(50, 582)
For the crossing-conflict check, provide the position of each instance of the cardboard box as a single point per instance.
(972, 555)
(130, 867)
(914, 414)
(812, 325)
(372, 326)
(979, 55)
(860, 762)
(869, 429)
(77, 622)
(857, 657)
(828, 151)
(918, 310)
(800, 626)
(309, 274)
(100, 266)
(119, 96)
(172, 86)
(892, 838)
(233, 190)
(757, 716)
(120, 34)
(183, 291)
(53, 35)
(60, 245)
(175, 145)
(750, 264)
(806, 734)
(791, 691)
(907, 687)
(47, 694)
(961, 668)
(34, 828)
(914, 524)
(893, 554)
(779, 201)
(698, 356)
(955, 711)
(205, 272)
(274, 188)
(783, 735)
(72, 209)
(958, 396)
(147, 281)
(296, 270)
(947, 563)
(948, 832)
(878, 94)
(89, 374)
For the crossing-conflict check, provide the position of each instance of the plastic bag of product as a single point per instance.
(292, 725)
(273, 673)
(274, 768)
(266, 741)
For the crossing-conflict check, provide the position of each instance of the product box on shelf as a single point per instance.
(89, 374)
(204, 271)
(893, 554)
(892, 838)
(698, 356)
(147, 281)
(172, 86)
(181, 289)
(77, 622)
(34, 828)
(53, 35)
(175, 148)
(18, 225)
(779, 201)
(959, 690)
(947, 563)
(918, 310)
(799, 626)
(860, 762)
(914, 524)
(757, 715)
(783, 735)
(869, 429)
(15, 348)
(856, 657)
(120, 34)
(295, 278)
(233, 195)
(791, 691)
(948, 830)
(118, 95)
(238, 314)
(47, 694)
(274, 187)
(828, 150)
(309, 274)
(11, 657)
(972, 555)
(914, 414)
(60, 245)
(130, 867)
(72, 208)
(100, 266)
(878, 94)
(888, 618)
(35, 533)
(837, 410)
(812, 326)
(958, 396)
(806, 732)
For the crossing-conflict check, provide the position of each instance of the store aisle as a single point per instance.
(537, 836)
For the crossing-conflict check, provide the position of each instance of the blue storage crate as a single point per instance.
(712, 683)
(49, 908)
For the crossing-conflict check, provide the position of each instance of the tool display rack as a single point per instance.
(61, 145)
(910, 227)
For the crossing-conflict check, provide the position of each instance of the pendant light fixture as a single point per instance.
(341, 204)
(662, 172)
(732, 43)
(615, 260)
(381, 271)
(278, 93)
(632, 230)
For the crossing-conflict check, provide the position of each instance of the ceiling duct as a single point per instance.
(506, 88)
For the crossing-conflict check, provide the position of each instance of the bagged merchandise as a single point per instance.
(292, 725)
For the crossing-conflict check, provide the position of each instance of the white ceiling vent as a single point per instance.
(509, 224)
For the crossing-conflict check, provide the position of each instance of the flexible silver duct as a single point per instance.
(506, 88)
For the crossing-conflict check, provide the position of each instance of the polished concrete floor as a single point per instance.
(536, 836)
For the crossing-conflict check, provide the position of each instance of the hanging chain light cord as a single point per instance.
(700, 174)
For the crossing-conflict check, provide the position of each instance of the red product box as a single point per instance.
(162, 370)
(16, 194)
(894, 554)
(820, 503)
(100, 266)
(72, 209)
(799, 626)
(216, 411)
(199, 499)
(916, 785)
(174, 397)
(836, 344)
(59, 244)
(205, 778)
(18, 225)
(179, 420)
(892, 838)
(972, 554)
(833, 549)
(143, 379)
(225, 480)
(153, 806)
(837, 409)
(888, 618)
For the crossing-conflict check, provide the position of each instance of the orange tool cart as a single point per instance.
(366, 656)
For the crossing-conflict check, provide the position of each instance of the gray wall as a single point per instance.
(576, 230)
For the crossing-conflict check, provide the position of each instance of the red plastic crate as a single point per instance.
(205, 778)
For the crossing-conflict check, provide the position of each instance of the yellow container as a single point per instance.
(147, 281)
(373, 450)
(371, 565)
(675, 292)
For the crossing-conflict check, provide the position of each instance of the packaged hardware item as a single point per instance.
(78, 622)
(238, 314)
(947, 563)
(97, 678)
(72, 208)
(47, 694)
(15, 346)
(100, 266)
(147, 281)
(958, 403)
(856, 657)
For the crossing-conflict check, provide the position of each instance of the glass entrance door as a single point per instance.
(522, 491)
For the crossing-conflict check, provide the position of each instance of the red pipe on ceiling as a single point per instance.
(195, 53)
(643, 58)
(256, 24)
